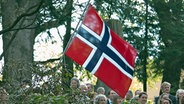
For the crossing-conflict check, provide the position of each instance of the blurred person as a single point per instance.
(162, 97)
(117, 99)
(179, 95)
(100, 90)
(90, 87)
(143, 97)
(74, 92)
(128, 96)
(166, 101)
(74, 83)
(165, 88)
(182, 100)
(100, 99)
(137, 92)
(84, 99)
(83, 89)
(134, 100)
(90, 92)
(111, 94)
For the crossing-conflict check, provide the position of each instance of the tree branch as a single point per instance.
(21, 16)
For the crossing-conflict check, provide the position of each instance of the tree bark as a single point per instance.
(116, 26)
(67, 70)
(18, 44)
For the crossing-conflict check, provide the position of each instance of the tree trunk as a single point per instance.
(116, 26)
(67, 71)
(18, 43)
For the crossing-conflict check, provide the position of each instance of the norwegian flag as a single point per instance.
(103, 53)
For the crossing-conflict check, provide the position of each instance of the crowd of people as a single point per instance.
(167, 98)
(87, 95)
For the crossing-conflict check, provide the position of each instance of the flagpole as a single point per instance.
(73, 34)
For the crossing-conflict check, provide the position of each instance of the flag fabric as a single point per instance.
(103, 53)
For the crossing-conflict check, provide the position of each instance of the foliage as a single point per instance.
(29, 96)
(170, 14)
(46, 88)
(36, 98)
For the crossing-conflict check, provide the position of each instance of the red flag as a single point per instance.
(103, 53)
